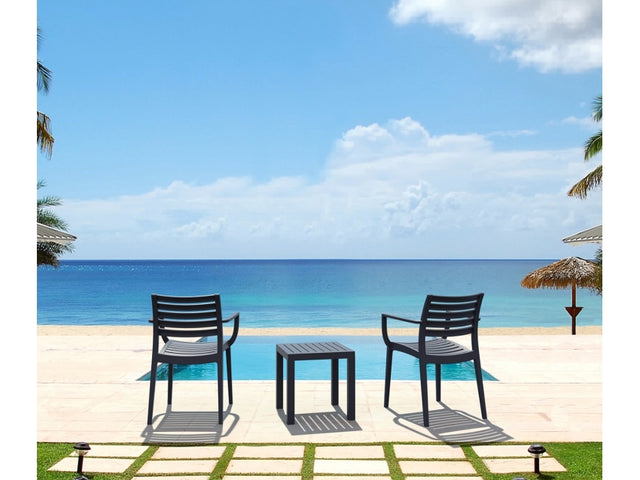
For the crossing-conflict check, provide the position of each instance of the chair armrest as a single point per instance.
(402, 319)
(385, 317)
(236, 318)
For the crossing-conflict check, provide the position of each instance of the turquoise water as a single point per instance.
(303, 293)
(254, 358)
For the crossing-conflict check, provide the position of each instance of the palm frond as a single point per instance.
(589, 182)
(49, 201)
(593, 146)
(44, 137)
(44, 78)
(44, 74)
(47, 253)
(597, 109)
(50, 219)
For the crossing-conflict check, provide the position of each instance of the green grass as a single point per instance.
(583, 461)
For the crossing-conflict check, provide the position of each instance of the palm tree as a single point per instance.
(597, 275)
(592, 147)
(45, 139)
(48, 252)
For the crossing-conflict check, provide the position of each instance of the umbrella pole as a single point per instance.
(573, 305)
(573, 310)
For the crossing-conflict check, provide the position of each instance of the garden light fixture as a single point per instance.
(536, 450)
(81, 448)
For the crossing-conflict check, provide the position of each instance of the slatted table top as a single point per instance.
(312, 350)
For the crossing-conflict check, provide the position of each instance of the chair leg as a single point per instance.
(220, 391)
(423, 387)
(438, 379)
(170, 384)
(229, 382)
(483, 405)
(152, 391)
(387, 377)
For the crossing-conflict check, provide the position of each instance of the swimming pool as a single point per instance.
(254, 358)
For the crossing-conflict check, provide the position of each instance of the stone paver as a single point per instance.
(269, 451)
(262, 477)
(503, 450)
(440, 467)
(264, 466)
(350, 466)
(188, 452)
(178, 466)
(354, 477)
(428, 451)
(350, 451)
(448, 477)
(133, 451)
(173, 477)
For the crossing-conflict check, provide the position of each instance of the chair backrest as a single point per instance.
(196, 316)
(444, 316)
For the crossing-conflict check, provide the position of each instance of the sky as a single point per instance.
(321, 129)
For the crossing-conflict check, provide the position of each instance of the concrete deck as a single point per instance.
(549, 389)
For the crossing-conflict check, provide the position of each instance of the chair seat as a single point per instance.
(190, 350)
(445, 350)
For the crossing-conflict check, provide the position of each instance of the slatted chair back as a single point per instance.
(194, 316)
(450, 316)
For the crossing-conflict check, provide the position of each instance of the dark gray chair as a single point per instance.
(442, 317)
(183, 323)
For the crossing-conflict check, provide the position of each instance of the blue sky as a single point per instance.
(327, 129)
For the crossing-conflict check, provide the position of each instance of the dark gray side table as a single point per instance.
(315, 351)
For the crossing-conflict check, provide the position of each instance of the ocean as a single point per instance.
(303, 293)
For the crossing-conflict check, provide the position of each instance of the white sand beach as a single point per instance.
(105, 330)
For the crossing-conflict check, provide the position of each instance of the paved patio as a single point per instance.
(549, 388)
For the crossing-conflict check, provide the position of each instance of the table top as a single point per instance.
(312, 348)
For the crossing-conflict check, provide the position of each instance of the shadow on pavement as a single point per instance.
(190, 427)
(452, 426)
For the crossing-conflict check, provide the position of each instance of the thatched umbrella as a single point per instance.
(572, 271)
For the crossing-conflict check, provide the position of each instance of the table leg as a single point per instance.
(291, 393)
(334, 381)
(278, 380)
(351, 387)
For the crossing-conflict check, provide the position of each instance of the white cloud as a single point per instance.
(586, 122)
(396, 139)
(202, 228)
(549, 35)
(416, 195)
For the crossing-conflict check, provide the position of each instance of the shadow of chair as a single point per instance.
(191, 330)
(189, 427)
(452, 426)
(442, 317)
